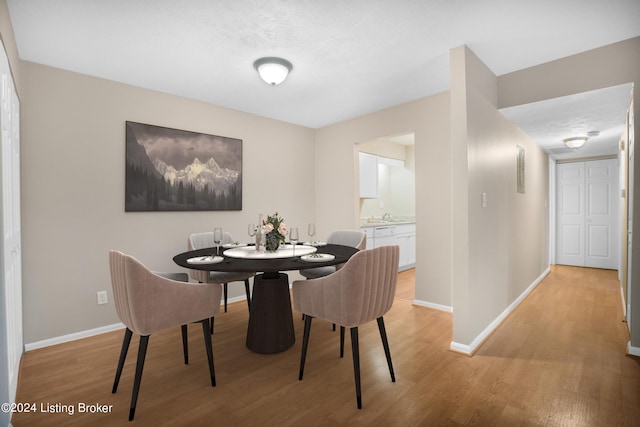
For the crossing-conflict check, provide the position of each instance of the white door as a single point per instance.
(11, 340)
(630, 190)
(571, 216)
(587, 214)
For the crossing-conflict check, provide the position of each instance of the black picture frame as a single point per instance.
(178, 170)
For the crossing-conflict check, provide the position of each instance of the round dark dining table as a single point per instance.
(270, 328)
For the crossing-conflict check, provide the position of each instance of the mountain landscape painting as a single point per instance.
(177, 170)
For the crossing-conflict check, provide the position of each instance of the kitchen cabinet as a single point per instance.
(384, 235)
(403, 235)
(369, 232)
(406, 239)
(368, 176)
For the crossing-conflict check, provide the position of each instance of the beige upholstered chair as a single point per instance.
(361, 291)
(354, 238)
(205, 240)
(148, 303)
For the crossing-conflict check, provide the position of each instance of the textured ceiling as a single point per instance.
(349, 57)
(549, 122)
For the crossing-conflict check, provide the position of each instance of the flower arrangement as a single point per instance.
(274, 229)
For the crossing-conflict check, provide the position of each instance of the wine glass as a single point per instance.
(217, 238)
(294, 237)
(252, 231)
(311, 231)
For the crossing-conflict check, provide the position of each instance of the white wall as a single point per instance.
(73, 158)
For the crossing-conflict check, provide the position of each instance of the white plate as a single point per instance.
(284, 251)
(234, 245)
(315, 243)
(205, 259)
(318, 257)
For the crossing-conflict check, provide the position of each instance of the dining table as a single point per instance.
(270, 329)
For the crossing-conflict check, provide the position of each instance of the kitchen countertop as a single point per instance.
(380, 223)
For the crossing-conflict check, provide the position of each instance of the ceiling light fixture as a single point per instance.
(575, 142)
(273, 70)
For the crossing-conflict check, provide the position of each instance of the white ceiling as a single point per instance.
(549, 122)
(349, 57)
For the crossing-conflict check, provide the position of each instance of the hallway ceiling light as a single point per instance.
(273, 70)
(575, 142)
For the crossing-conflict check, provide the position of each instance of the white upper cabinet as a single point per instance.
(368, 176)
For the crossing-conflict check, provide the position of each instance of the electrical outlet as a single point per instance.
(102, 297)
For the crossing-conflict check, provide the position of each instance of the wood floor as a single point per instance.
(558, 360)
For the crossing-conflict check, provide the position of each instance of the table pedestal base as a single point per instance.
(271, 320)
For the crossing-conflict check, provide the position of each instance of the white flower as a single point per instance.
(282, 229)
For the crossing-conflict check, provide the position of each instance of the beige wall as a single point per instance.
(500, 249)
(73, 154)
(337, 205)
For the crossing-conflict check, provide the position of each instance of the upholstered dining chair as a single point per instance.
(181, 277)
(361, 291)
(148, 303)
(354, 238)
(205, 240)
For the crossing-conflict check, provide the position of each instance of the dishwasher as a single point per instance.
(384, 235)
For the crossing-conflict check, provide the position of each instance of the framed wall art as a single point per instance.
(178, 170)
(520, 165)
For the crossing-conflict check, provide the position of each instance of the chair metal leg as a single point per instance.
(209, 348)
(248, 292)
(341, 341)
(385, 344)
(142, 352)
(185, 344)
(211, 325)
(225, 296)
(356, 363)
(123, 355)
(305, 343)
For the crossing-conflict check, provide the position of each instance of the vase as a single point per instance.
(272, 243)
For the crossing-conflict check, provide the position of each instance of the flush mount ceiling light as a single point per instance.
(273, 70)
(575, 142)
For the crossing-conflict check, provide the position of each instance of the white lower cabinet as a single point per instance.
(370, 240)
(406, 239)
(403, 235)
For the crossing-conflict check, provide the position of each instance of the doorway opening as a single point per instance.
(386, 199)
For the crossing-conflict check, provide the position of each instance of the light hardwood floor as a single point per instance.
(558, 360)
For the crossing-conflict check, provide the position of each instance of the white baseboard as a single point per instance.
(433, 305)
(634, 351)
(91, 332)
(471, 348)
(72, 337)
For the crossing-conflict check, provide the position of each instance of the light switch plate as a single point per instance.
(102, 297)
